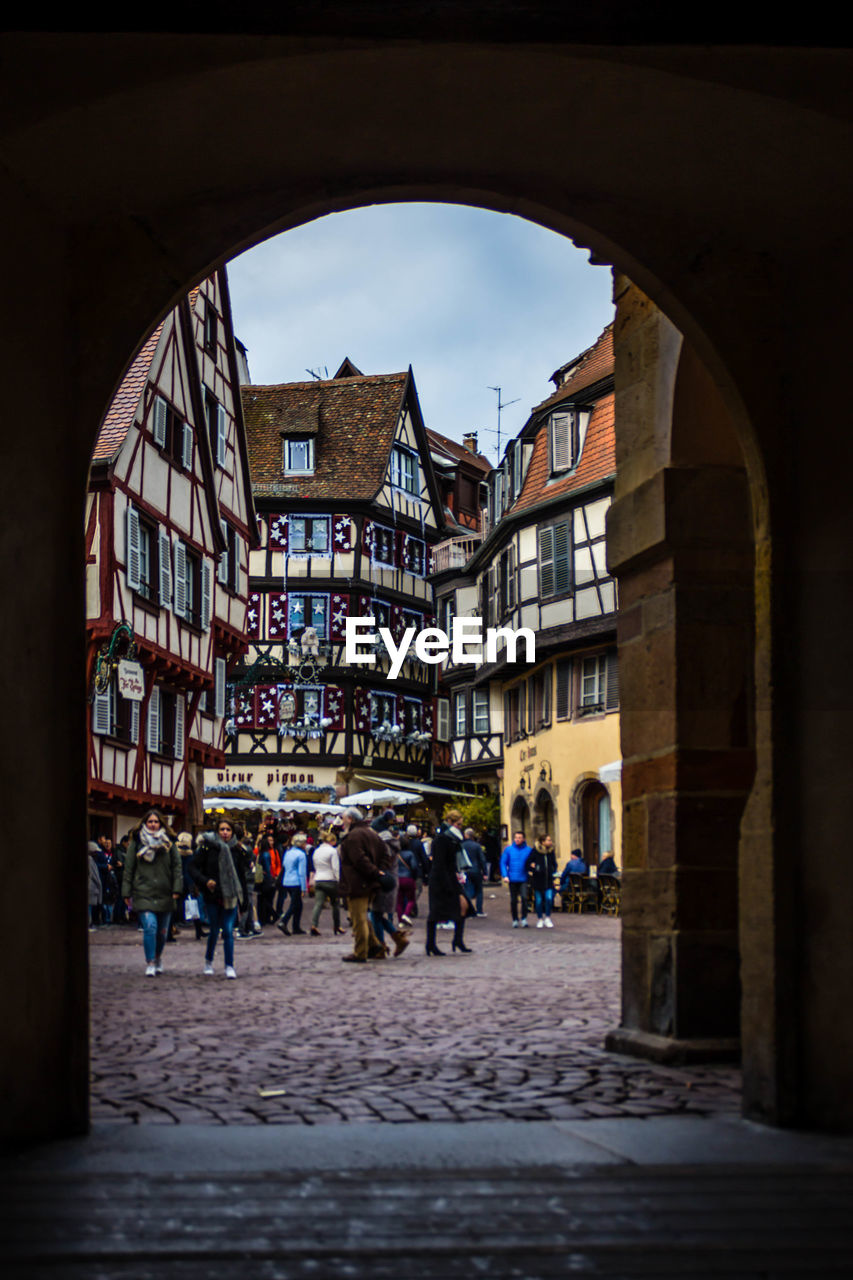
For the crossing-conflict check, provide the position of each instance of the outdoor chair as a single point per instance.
(609, 895)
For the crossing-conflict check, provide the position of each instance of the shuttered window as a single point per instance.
(132, 549)
(165, 568)
(180, 605)
(179, 727)
(102, 720)
(205, 595)
(219, 687)
(443, 730)
(222, 567)
(612, 702)
(152, 727)
(564, 684)
(221, 435)
(187, 452)
(555, 564)
(160, 416)
(460, 727)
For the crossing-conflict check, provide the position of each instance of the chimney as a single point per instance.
(469, 441)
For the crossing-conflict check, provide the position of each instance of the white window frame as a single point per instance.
(401, 473)
(595, 699)
(389, 698)
(460, 714)
(480, 721)
(383, 528)
(293, 523)
(309, 595)
(287, 462)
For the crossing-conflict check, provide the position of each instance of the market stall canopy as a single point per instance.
(383, 797)
(273, 806)
(423, 788)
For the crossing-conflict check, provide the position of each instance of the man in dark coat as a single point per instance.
(361, 853)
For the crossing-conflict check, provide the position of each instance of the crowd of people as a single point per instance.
(376, 877)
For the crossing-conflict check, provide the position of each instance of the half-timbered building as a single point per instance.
(170, 520)
(349, 510)
(546, 733)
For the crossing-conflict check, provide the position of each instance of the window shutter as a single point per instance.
(236, 543)
(134, 722)
(159, 429)
(219, 687)
(132, 553)
(180, 605)
(221, 434)
(564, 675)
(560, 442)
(188, 446)
(222, 567)
(101, 712)
(612, 700)
(165, 560)
(179, 726)
(152, 729)
(546, 561)
(562, 560)
(510, 578)
(443, 717)
(546, 696)
(205, 595)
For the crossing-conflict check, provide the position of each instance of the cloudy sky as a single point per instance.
(470, 299)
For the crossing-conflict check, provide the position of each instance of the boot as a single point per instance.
(431, 948)
(459, 937)
(401, 941)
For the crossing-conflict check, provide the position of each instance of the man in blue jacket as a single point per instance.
(514, 861)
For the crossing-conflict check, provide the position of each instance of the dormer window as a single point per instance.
(299, 455)
(404, 470)
(568, 430)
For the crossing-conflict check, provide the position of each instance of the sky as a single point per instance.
(470, 299)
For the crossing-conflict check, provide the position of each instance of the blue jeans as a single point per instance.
(474, 889)
(544, 899)
(155, 930)
(220, 918)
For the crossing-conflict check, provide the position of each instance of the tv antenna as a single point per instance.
(502, 404)
(317, 375)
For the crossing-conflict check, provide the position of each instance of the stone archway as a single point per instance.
(108, 225)
(545, 815)
(520, 819)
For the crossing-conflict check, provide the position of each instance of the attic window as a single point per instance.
(568, 429)
(404, 470)
(299, 455)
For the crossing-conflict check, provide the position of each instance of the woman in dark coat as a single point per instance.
(445, 888)
(153, 882)
(217, 869)
(542, 867)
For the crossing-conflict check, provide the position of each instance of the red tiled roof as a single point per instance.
(590, 367)
(458, 451)
(353, 421)
(122, 411)
(598, 459)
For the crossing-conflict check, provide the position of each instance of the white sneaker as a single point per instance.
(208, 968)
(524, 923)
(515, 924)
(549, 923)
(540, 924)
(158, 966)
(230, 971)
(150, 970)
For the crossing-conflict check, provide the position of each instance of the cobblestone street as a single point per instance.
(513, 1031)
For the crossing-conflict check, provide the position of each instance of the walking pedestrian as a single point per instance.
(214, 868)
(514, 861)
(327, 874)
(96, 889)
(445, 885)
(542, 867)
(269, 863)
(384, 899)
(361, 850)
(476, 870)
(152, 882)
(294, 882)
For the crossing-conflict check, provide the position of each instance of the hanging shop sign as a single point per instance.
(131, 681)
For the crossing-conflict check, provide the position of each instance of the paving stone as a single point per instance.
(502, 1032)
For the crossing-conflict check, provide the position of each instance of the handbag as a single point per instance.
(191, 911)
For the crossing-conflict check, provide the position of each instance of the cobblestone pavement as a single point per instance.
(513, 1031)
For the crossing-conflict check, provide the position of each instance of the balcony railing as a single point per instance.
(454, 553)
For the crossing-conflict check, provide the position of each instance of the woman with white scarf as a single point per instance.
(152, 884)
(216, 868)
